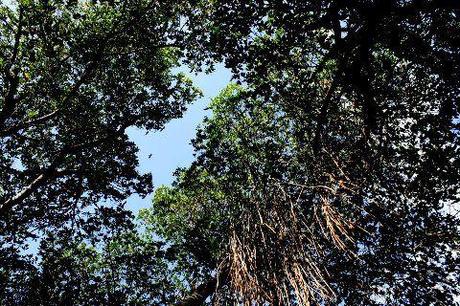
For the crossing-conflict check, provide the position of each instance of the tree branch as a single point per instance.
(11, 75)
(24, 125)
(25, 192)
(48, 173)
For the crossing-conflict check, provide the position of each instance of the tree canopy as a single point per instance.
(327, 174)
(328, 227)
(371, 93)
(74, 76)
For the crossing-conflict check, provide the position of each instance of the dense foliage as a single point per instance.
(329, 175)
(74, 76)
(371, 92)
(330, 227)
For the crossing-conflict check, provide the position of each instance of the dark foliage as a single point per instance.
(74, 76)
(371, 91)
(329, 176)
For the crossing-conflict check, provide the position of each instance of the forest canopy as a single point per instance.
(327, 173)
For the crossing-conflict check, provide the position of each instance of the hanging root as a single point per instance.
(337, 227)
(276, 254)
(274, 258)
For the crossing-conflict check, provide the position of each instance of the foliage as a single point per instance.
(130, 268)
(325, 227)
(329, 175)
(371, 91)
(74, 76)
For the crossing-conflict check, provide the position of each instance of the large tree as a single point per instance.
(74, 76)
(373, 89)
(281, 224)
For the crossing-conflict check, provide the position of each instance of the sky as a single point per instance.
(171, 148)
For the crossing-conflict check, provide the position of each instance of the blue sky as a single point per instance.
(171, 148)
